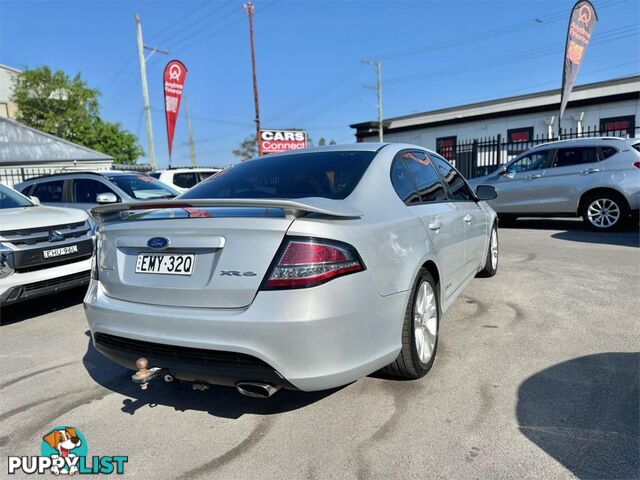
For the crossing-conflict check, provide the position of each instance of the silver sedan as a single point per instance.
(305, 270)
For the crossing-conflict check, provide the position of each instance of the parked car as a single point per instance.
(182, 179)
(86, 190)
(43, 250)
(597, 179)
(305, 270)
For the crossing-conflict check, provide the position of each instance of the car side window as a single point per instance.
(458, 188)
(575, 156)
(403, 183)
(85, 190)
(608, 152)
(185, 180)
(427, 181)
(533, 161)
(49, 192)
(205, 175)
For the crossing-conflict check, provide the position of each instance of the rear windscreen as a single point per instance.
(321, 174)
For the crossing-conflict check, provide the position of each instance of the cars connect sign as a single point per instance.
(276, 141)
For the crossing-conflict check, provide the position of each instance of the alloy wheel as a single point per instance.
(494, 249)
(603, 213)
(425, 322)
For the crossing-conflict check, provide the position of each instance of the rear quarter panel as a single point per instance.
(390, 239)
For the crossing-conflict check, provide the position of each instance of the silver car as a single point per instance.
(597, 179)
(305, 270)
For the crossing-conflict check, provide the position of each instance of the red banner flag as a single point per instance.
(174, 75)
(581, 24)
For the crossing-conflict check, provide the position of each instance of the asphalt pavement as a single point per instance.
(537, 376)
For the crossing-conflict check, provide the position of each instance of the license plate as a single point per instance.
(58, 252)
(165, 263)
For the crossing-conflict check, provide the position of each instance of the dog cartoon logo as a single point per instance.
(66, 443)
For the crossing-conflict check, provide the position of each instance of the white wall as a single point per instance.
(490, 128)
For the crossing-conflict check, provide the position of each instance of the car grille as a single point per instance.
(195, 356)
(55, 281)
(65, 261)
(31, 259)
(35, 236)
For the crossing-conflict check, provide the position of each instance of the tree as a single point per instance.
(332, 142)
(248, 148)
(66, 107)
(322, 142)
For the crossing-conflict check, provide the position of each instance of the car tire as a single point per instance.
(491, 260)
(419, 346)
(604, 212)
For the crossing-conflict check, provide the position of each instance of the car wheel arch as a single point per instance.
(599, 191)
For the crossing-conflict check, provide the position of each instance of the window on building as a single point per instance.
(446, 146)
(618, 126)
(458, 188)
(49, 192)
(566, 157)
(519, 140)
(427, 181)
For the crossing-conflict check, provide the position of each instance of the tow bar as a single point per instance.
(144, 375)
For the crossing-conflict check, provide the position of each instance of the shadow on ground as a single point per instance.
(41, 306)
(223, 402)
(584, 413)
(575, 230)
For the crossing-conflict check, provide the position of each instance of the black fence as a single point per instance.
(481, 156)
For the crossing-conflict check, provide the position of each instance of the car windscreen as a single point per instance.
(311, 174)
(143, 187)
(12, 199)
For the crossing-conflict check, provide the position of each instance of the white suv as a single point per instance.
(43, 250)
(183, 179)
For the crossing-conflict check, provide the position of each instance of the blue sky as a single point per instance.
(434, 54)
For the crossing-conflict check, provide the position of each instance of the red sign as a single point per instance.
(276, 141)
(174, 75)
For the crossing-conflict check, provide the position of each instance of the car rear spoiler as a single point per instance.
(298, 207)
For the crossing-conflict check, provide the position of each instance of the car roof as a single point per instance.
(581, 141)
(102, 173)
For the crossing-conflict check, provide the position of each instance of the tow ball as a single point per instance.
(144, 375)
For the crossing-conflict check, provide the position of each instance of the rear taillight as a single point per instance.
(636, 164)
(307, 262)
(94, 259)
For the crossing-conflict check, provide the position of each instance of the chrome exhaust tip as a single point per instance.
(256, 389)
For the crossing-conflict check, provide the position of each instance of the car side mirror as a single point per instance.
(35, 200)
(502, 170)
(486, 192)
(106, 198)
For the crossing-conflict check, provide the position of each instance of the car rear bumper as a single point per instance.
(18, 287)
(308, 339)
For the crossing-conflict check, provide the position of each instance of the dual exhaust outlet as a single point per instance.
(145, 375)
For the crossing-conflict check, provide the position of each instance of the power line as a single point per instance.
(487, 34)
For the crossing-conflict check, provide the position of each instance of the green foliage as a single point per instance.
(248, 148)
(53, 102)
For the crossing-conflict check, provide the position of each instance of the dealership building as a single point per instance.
(609, 107)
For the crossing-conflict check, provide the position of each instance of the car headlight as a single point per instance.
(6, 261)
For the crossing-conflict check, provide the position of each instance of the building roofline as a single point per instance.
(7, 67)
(498, 101)
(102, 156)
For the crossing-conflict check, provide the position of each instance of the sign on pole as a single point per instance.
(174, 75)
(276, 141)
(581, 24)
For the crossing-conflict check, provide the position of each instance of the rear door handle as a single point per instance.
(590, 170)
(467, 219)
(435, 226)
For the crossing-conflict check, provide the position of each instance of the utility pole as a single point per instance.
(145, 89)
(248, 8)
(192, 147)
(379, 88)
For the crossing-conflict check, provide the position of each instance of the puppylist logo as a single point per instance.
(63, 450)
